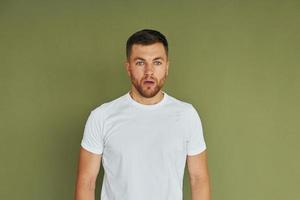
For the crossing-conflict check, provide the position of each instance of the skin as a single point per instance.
(146, 62)
(199, 176)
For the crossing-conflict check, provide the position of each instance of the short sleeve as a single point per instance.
(196, 143)
(92, 137)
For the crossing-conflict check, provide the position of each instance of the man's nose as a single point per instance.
(149, 69)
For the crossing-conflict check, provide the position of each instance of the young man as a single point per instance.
(145, 136)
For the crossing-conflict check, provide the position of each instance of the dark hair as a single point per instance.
(145, 37)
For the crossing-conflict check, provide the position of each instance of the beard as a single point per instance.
(148, 91)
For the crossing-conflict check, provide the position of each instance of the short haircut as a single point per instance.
(146, 37)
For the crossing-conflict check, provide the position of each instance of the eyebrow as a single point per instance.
(140, 58)
(159, 58)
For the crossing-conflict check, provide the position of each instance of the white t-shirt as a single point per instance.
(143, 147)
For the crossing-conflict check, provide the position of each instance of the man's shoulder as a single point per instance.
(179, 103)
(184, 107)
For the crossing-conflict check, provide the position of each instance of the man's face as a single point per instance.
(147, 68)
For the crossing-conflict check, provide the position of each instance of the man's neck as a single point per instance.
(144, 100)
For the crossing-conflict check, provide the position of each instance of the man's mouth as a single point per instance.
(149, 82)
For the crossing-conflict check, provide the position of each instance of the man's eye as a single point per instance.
(157, 63)
(139, 63)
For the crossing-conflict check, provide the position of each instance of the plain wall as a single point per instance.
(236, 61)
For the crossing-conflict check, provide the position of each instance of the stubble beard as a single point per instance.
(147, 91)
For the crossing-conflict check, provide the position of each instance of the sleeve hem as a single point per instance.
(92, 150)
(197, 151)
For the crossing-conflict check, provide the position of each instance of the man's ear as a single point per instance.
(167, 71)
(127, 67)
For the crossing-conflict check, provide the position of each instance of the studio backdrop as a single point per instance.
(237, 62)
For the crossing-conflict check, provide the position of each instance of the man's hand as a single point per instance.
(88, 169)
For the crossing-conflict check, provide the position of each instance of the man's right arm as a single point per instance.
(88, 169)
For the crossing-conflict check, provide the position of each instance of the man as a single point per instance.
(144, 137)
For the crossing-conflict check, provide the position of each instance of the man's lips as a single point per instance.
(149, 81)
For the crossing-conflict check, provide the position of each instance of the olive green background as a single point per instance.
(236, 61)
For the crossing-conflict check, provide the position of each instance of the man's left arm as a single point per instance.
(199, 176)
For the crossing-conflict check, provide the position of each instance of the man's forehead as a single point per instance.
(156, 44)
(152, 51)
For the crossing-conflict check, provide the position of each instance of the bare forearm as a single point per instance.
(85, 190)
(88, 169)
(201, 190)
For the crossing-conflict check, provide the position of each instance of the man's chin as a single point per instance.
(149, 93)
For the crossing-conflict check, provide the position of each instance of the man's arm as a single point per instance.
(88, 169)
(199, 177)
